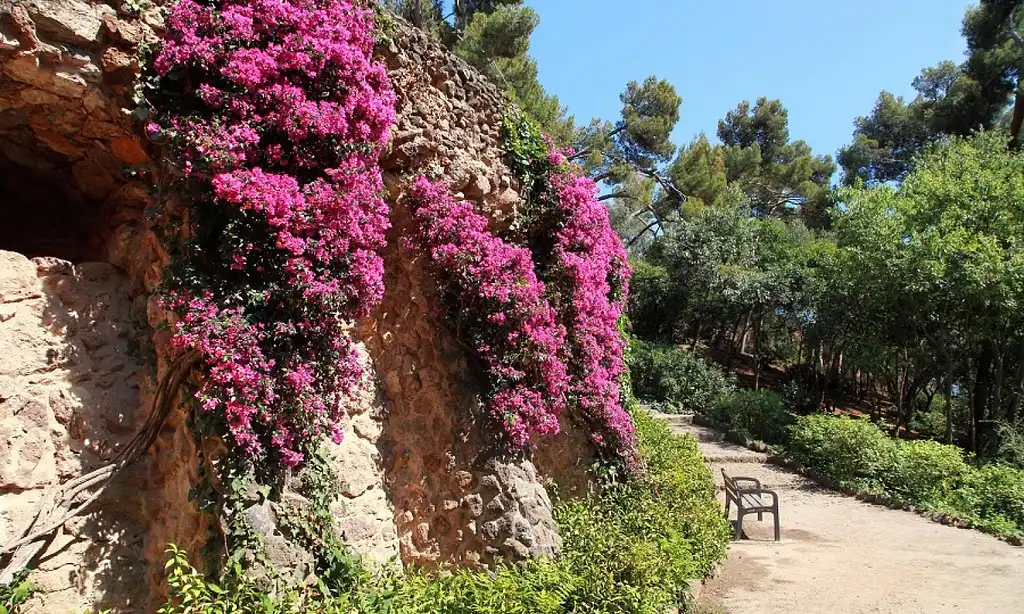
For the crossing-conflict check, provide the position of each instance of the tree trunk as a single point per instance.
(820, 367)
(835, 373)
(902, 391)
(995, 411)
(696, 336)
(928, 398)
(743, 335)
(1018, 117)
(757, 352)
(417, 16)
(872, 398)
(980, 399)
(840, 379)
(1018, 388)
(949, 405)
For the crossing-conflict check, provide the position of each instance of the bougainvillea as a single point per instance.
(512, 327)
(275, 113)
(541, 307)
(590, 269)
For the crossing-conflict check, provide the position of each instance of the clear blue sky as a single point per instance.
(826, 60)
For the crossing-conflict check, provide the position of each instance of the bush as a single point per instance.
(677, 472)
(1011, 445)
(756, 414)
(922, 471)
(539, 586)
(993, 495)
(925, 474)
(650, 303)
(799, 395)
(847, 450)
(636, 546)
(675, 378)
(16, 593)
(931, 423)
(632, 548)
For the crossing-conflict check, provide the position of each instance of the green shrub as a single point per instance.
(925, 474)
(539, 586)
(675, 378)
(1011, 445)
(632, 548)
(234, 592)
(848, 450)
(636, 545)
(993, 495)
(651, 308)
(677, 472)
(931, 423)
(800, 397)
(756, 414)
(921, 472)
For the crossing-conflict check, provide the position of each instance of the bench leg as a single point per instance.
(727, 502)
(739, 524)
(760, 516)
(776, 515)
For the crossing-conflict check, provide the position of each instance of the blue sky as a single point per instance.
(826, 60)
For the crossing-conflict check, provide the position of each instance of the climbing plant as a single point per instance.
(540, 302)
(273, 113)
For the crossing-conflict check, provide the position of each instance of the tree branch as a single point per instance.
(649, 227)
(1012, 23)
(586, 152)
(1017, 118)
(583, 153)
(666, 184)
(647, 209)
(619, 194)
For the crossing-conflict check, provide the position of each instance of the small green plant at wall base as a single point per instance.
(630, 548)
(16, 593)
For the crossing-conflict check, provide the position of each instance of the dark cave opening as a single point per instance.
(42, 211)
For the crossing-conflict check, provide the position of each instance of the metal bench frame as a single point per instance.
(753, 503)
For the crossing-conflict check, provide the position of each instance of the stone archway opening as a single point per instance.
(43, 210)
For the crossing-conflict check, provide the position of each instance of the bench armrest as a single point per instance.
(739, 481)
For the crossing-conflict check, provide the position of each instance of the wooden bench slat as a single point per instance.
(754, 501)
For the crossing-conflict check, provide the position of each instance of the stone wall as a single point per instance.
(455, 501)
(69, 399)
(420, 479)
(66, 70)
(67, 149)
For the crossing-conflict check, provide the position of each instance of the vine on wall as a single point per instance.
(501, 304)
(541, 304)
(274, 113)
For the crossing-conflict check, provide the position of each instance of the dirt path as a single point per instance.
(841, 556)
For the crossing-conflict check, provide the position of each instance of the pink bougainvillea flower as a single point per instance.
(293, 165)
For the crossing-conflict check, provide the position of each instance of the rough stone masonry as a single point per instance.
(81, 349)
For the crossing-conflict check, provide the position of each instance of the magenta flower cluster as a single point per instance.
(513, 328)
(547, 344)
(590, 269)
(277, 115)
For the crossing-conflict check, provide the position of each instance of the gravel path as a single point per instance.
(841, 556)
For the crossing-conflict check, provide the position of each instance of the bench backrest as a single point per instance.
(730, 486)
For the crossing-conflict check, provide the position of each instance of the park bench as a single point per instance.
(749, 501)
